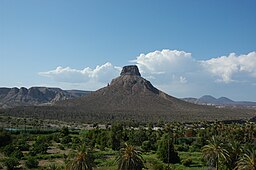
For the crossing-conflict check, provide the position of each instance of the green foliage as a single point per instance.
(247, 161)
(146, 146)
(64, 132)
(166, 150)
(9, 149)
(129, 158)
(137, 137)
(22, 145)
(17, 154)
(186, 162)
(183, 147)
(116, 136)
(76, 140)
(38, 148)
(10, 163)
(66, 140)
(31, 162)
(82, 160)
(214, 153)
(53, 167)
(5, 138)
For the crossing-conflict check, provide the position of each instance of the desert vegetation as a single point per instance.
(121, 145)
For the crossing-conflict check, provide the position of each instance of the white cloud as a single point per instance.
(226, 67)
(175, 72)
(101, 74)
(161, 62)
(164, 65)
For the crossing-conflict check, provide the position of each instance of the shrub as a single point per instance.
(17, 154)
(182, 147)
(186, 162)
(66, 140)
(146, 146)
(31, 162)
(38, 148)
(10, 163)
(8, 149)
(5, 138)
(23, 146)
(61, 147)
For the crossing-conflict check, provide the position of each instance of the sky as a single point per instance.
(186, 48)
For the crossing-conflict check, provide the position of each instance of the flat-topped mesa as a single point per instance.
(130, 70)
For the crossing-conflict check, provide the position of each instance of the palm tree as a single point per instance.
(214, 153)
(129, 158)
(234, 149)
(83, 160)
(247, 161)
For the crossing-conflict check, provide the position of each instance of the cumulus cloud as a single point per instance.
(166, 65)
(160, 62)
(103, 74)
(226, 67)
(175, 72)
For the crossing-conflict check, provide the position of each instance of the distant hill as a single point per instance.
(222, 101)
(129, 97)
(12, 97)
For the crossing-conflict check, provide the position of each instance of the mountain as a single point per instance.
(127, 93)
(11, 97)
(128, 97)
(222, 101)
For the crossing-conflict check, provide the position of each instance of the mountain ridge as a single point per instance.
(12, 97)
(221, 101)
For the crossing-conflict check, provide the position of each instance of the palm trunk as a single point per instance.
(217, 165)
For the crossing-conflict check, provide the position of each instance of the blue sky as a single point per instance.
(185, 48)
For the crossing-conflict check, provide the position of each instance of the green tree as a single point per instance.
(116, 135)
(82, 160)
(214, 153)
(129, 158)
(5, 138)
(247, 161)
(166, 151)
(234, 150)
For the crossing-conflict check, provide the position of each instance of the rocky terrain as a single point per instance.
(12, 97)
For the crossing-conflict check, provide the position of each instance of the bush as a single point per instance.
(23, 146)
(66, 140)
(186, 162)
(17, 154)
(5, 138)
(146, 146)
(10, 163)
(183, 148)
(8, 149)
(61, 147)
(38, 148)
(31, 162)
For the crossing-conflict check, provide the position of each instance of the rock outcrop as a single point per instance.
(130, 70)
